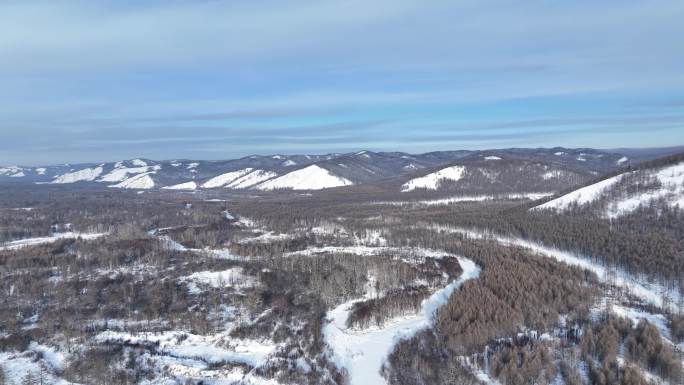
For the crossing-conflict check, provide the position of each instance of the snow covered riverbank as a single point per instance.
(362, 352)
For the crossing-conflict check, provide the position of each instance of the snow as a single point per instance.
(251, 179)
(182, 186)
(621, 160)
(289, 163)
(13, 245)
(85, 175)
(648, 292)
(54, 358)
(554, 174)
(407, 254)
(559, 153)
(41, 170)
(471, 198)
(12, 172)
(491, 157)
(309, 178)
(267, 237)
(362, 352)
(233, 277)
(212, 349)
(192, 165)
(138, 162)
(658, 320)
(432, 181)
(580, 196)
(121, 173)
(140, 181)
(223, 179)
(671, 191)
(17, 365)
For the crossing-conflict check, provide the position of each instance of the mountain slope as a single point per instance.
(309, 178)
(659, 184)
(495, 174)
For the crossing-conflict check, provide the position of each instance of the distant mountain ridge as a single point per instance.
(314, 172)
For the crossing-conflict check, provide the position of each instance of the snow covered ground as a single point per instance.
(12, 245)
(471, 198)
(85, 175)
(224, 179)
(188, 354)
(362, 352)
(140, 181)
(233, 277)
(308, 178)
(580, 196)
(670, 189)
(433, 180)
(251, 179)
(121, 173)
(182, 186)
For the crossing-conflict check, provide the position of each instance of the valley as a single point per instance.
(485, 269)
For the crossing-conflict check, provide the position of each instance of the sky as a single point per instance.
(92, 81)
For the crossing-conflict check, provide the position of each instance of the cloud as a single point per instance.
(77, 73)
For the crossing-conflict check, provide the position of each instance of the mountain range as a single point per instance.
(512, 170)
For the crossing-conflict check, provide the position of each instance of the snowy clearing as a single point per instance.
(85, 175)
(119, 174)
(12, 245)
(182, 186)
(223, 179)
(141, 181)
(233, 277)
(432, 181)
(581, 196)
(472, 198)
(251, 179)
(309, 178)
(211, 349)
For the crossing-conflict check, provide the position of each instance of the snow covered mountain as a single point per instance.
(488, 173)
(659, 183)
(555, 169)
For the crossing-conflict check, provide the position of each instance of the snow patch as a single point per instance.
(138, 162)
(119, 174)
(251, 179)
(581, 196)
(223, 179)
(309, 178)
(432, 181)
(12, 245)
(182, 186)
(140, 181)
(85, 175)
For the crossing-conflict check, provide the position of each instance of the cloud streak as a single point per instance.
(144, 78)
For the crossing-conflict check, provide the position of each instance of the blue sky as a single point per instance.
(96, 81)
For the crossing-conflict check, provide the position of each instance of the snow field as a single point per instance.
(432, 181)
